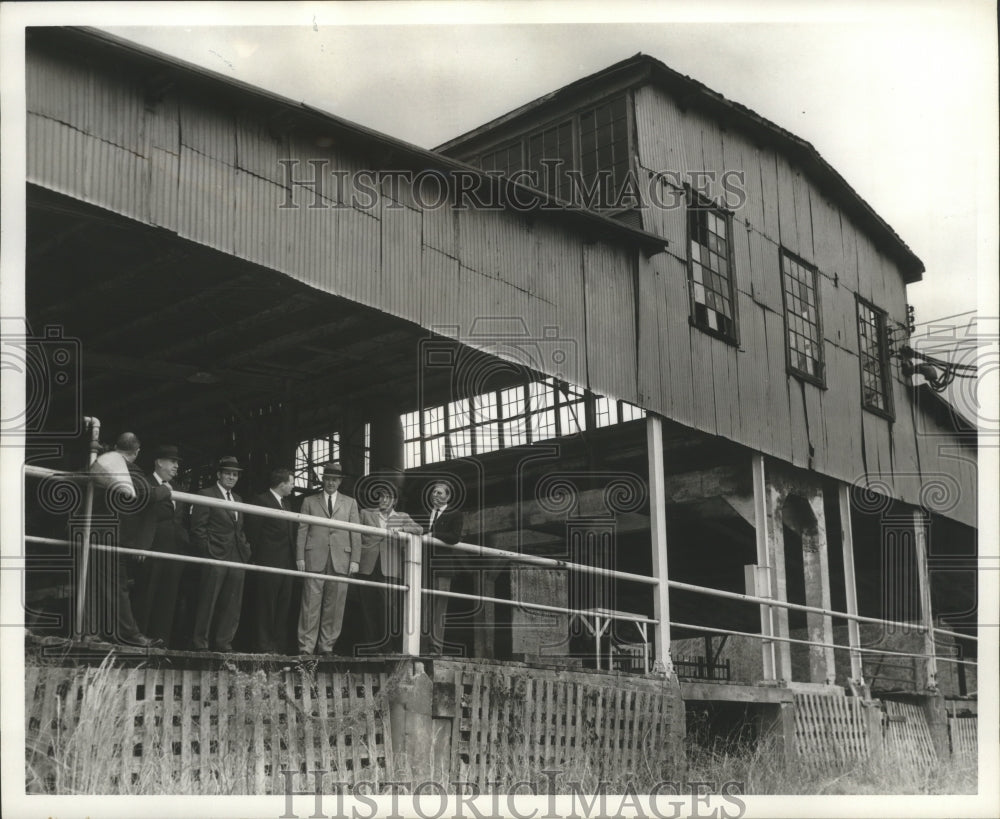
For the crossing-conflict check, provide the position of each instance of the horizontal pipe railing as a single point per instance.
(360, 528)
(617, 615)
(211, 561)
(836, 646)
(486, 551)
(782, 604)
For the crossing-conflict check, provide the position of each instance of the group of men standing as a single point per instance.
(158, 522)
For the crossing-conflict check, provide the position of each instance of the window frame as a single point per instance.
(888, 412)
(573, 117)
(695, 202)
(820, 379)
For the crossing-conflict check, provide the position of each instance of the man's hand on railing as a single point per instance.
(300, 565)
(353, 568)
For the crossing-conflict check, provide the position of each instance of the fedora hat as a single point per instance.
(167, 452)
(333, 470)
(229, 462)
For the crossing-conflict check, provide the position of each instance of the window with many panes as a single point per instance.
(873, 354)
(506, 160)
(499, 419)
(312, 454)
(803, 326)
(593, 142)
(604, 147)
(710, 269)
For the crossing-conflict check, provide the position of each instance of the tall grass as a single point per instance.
(93, 753)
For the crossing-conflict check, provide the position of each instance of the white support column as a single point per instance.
(413, 596)
(763, 574)
(658, 538)
(850, 585)
(921, 523)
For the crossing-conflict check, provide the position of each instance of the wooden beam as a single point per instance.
(764, 568)
(730, 692)
(658, 542)
(717, 482)
(850, 586)
(921, 523)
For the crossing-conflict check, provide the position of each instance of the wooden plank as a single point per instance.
(337, 683)
(305, 716)
(702, 380)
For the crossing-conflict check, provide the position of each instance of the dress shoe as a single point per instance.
(142, 641)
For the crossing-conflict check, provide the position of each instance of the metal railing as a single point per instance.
(413, 577)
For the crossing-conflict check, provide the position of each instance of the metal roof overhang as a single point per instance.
(174, 337)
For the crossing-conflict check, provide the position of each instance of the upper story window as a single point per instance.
(550, 156)
(873, 355)
(604, 147)
(507, 160)
(584, 159)
(710, 269)
(803, 326)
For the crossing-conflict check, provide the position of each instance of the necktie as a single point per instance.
(229, 497)
(329, 505)
(434, 515)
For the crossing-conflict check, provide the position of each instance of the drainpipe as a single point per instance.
(88, 508)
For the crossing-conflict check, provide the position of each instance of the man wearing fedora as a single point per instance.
(273, 544)
(325, 551)
(218, 533)
(156, 591)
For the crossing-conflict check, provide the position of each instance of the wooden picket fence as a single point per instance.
(238, 728)
(242, 728)
(831, 729)
(508, 721)
(964, 737)
(907, 733)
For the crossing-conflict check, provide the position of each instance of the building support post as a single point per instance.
(658, 539)
(763, 569)
(921, 523)
(850, 588)
(413, 597)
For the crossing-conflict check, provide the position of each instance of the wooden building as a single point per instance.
(692, 373)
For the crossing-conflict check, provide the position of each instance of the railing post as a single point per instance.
(850, 585)
(413, 596)
(658, 538)
(921, 523)
(763, 577)
(88, 513)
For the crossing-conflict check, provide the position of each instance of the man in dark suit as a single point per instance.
(218, 533)
(447, 524)
(273, 544)
(127, 515)
(155, 596)
(325, 551)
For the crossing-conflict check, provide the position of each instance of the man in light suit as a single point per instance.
(218, 533)
(273, 544)
(326, 551)
(382, 560)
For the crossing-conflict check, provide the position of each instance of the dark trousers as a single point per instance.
(155, 597)
(218, 614)
(376, 617)
(273, 603)
(108, 609)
